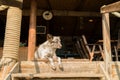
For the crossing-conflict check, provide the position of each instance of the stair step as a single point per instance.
(56, 75)
(68, 66)
(71, 69)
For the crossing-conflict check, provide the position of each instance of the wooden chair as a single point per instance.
(93, 49)
(81, 49)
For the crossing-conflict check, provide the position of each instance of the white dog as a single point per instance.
(47, 50)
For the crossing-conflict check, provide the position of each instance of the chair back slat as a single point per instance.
(118, 44)
(85, 43)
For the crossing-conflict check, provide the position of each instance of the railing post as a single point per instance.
(106, 40)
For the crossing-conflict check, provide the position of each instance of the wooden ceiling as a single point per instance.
(85, 19)
(74, 5)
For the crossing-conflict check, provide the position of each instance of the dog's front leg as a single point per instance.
(52, 63)
(60, 63)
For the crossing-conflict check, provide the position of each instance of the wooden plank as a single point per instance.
(76, 66)
(111, 7)
(56, 75)
(65, 60)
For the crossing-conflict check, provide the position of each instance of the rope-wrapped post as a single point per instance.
(12, 33)
(12, 39)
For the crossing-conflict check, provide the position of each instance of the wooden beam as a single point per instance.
(32, 30)
(111, 7)
(65, 13)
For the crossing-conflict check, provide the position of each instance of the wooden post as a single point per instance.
(32, 30)
(106, 40)
(105, 10)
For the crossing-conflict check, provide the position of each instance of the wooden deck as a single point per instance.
(79, 69)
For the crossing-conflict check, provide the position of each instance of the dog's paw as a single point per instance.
(53, 67)
(61, 67)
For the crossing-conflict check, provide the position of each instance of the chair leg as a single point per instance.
(116, 53)
(91, 56)
(101, 52)
(92, 53)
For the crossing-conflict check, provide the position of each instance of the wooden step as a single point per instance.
(72, 68)
(56, 75)
(68, 66)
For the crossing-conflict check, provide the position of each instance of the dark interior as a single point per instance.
(67, 26)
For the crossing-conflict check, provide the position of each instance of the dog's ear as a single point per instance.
(49, 37)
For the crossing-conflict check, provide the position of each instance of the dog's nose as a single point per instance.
(60, 46)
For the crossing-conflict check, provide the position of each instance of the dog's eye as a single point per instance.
(54, 42)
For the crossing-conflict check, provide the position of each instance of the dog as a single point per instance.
(47, 50)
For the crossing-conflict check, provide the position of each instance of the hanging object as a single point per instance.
(117, 14)
(47, 15)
